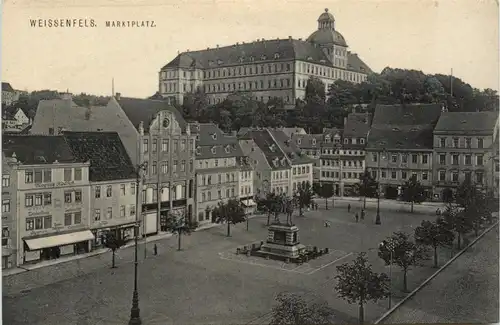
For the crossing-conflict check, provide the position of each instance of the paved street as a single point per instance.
(200, 284)
(465, 292)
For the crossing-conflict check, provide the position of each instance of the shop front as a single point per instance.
(121, 231)
(56, 245)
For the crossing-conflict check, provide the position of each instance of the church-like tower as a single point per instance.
(330, 40)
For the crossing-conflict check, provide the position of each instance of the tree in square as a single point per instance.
(358, 284)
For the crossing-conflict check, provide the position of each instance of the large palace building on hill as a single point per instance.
(264, 68)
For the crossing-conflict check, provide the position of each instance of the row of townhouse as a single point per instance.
(173, 156)
(441, 148)
(279, 165)
(60, 193)
(222, 171)
(338, 154)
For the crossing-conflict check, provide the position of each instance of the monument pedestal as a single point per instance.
(283, 241)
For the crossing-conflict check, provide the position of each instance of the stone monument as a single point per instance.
(283, 241)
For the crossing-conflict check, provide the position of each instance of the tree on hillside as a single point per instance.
(413, 191)
(292, 309)
(358, 284)
(303, 196)
(114, 242)
(434, 234)
(230, 212)
(315, 90)
(367, 186)
(179, 224)
(405, 253)
(195, 103)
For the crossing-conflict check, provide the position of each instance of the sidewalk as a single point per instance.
(64, 259)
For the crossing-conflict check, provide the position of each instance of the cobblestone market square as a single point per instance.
(197, 284)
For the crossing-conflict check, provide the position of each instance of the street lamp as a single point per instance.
(247, 213)
(381, 155)
(390, 246)
(135, 318)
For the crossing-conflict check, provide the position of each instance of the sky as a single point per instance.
(432, 36)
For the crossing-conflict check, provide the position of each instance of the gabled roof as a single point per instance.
(65, 114)
(38, 149)
(357, 125)
(403, 126)
(403, 137)
(105, 151)
(289, 147)
(145, 110)
(467, 121)
(7, 87)
(269, 148)
(408, 114)
(262, 52)
(213, 143)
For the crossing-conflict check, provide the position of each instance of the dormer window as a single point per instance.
(362, 69)
(198, 150)
(213, 150)
(309, 58)
(314, 142)
(275, 162)
(214, 136)
(362, 141)
(322, 61)
(197, 137)
(283, 162)
(346, 140)
(276, 55)
(240, 59)
(228, 149)
(219, 62)
(210, 63)
(263, 57)
(272, 147)
(299, 141)
(252, 59)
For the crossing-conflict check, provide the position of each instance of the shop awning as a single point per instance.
(59, 240)
(249, 202)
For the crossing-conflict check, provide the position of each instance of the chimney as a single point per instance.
(118, 96)
(66, 96)
(289, 38)
(217, 45)
(300, 39)
(345, 121)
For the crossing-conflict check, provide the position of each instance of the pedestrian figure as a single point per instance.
(357, 217)
(327, 224)
(349, 207)
(155, 250)
(362, 214)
